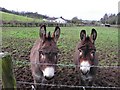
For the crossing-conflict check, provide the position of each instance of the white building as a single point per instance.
(55, 20)
(60, 20)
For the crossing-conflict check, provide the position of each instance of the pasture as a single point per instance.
(12, 17)
(19, 40)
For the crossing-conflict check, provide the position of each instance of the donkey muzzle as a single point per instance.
(85, 67)
(48, 72)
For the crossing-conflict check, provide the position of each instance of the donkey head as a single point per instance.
(87, 51)
(48, 51)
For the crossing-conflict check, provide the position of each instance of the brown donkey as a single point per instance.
(85, 58)
(43, 56)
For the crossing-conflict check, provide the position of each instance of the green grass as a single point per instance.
(12, 17)
(21, 39)
(20, 32)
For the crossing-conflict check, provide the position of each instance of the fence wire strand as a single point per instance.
(71, 65)
(68, 86)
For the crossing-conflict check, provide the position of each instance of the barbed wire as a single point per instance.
(68, 86)
(70, 65)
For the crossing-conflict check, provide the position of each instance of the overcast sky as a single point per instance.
(83, 9)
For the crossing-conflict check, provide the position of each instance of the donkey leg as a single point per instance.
(43, 86)
(35, 84)
(37, 80)
(38, 84)
(33, 87)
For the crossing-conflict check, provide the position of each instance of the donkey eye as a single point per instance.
(55, 55)
(80, 52)
(92, 54)
(42, 55)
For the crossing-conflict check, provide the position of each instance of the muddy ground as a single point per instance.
(106, 77)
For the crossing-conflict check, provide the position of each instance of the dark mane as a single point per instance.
(87, 38)
(49, 38)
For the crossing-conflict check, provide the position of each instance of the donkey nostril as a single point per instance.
(84, 72)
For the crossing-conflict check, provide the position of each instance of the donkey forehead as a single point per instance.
(49, 50)
(87, 40)
(87, 45)
(49, 47)
(48, 43)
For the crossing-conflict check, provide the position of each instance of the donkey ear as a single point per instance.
(83, 35)
(93, 35)
(56, 33)
(42, 32)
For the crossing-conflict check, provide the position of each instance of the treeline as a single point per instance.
(110, 19)
(28, 14)
(118, 18)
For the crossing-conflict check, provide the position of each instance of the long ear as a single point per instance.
(42, 32)
(56, 33)
(93, 35)
(83, 35)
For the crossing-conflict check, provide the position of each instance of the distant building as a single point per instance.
(55, 20)
(60, 20)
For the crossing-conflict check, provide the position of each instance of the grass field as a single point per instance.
(106, 43)
(12, 17)
(19, 40)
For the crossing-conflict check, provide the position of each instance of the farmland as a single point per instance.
(18, 41)
(12, 17)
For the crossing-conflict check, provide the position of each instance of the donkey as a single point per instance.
(43, 56)
(85, 58)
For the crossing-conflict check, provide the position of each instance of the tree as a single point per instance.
(109, 19)
(112, 19)
(118, 18)
(105, 18)
(102, 20)
(75, 20)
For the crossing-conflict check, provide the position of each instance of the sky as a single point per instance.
(83, 9)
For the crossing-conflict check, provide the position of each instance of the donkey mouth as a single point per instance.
(85, 73)
(49, 78)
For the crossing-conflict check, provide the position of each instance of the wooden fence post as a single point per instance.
(8, 79)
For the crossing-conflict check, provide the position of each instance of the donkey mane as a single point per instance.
(87, 38)
(48, 38)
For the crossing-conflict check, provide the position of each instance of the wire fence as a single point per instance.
(72, 65)
(69, 86)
